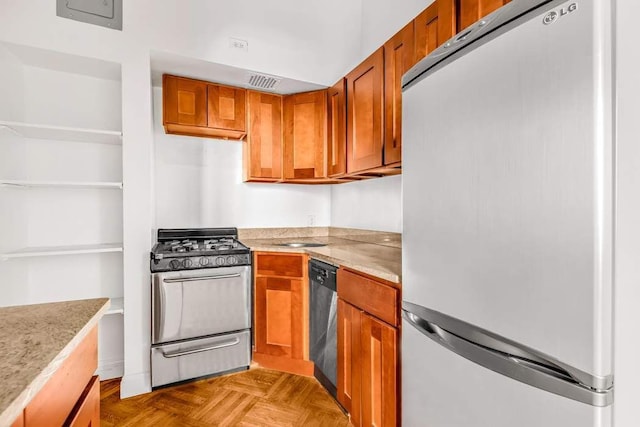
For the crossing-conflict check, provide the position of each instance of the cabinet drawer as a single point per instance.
(280, 264)
(87, 410)
(55, 401)
(373, 297)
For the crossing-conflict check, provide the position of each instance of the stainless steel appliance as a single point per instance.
(201, 304)
(508, 197)
(323, 338)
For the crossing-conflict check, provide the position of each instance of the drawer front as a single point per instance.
(87, 410)
(171, 363)
(53, 404)
(280, 264)
(373, 297)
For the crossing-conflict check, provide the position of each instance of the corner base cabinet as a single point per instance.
(368, 343)
(281, 320)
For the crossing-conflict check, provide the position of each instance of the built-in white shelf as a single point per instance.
(61, 184)
(63, 133)
(61, 250)
(117, 306)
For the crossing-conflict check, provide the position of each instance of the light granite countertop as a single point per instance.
(34, 341)
(376, 253)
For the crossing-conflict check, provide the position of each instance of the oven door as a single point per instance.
(197, 303)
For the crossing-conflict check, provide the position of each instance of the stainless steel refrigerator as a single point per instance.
(508, 198)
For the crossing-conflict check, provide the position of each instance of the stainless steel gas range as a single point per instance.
(200, 304)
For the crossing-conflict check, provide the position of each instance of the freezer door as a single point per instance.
(507, 188)
(443, 389)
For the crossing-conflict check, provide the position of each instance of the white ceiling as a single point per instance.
(168, 63)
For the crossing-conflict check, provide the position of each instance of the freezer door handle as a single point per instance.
(509, 358)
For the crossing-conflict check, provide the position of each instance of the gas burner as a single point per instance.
(187, 249)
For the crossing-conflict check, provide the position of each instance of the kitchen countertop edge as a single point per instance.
(13, 410)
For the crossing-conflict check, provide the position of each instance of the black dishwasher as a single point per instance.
(323, 340)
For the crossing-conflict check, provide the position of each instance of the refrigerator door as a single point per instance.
(464, 395)
(507, 198)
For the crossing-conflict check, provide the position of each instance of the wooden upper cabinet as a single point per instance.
(435, 25)
(470, 11)
(197, 108)
(337, 138)
(263, 148)
(227, 109)
(365, 114)
(185, 101)
(399, 56)
(305, 135)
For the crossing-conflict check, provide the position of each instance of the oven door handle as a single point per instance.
(194, 279)
(216, 346)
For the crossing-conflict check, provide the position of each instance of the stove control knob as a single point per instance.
(204, 261)
(187, 263)
(220, 261)
(231, 260)
(175, 264)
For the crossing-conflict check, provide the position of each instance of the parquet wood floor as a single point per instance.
(258, 397)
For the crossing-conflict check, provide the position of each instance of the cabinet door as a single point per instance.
(337, 121)
(87, 411)
(305, 135)
(379, 373)
(280, 317)
(227, 108)
(349, 360)
(184, 101)
(470, 11)
(435, 25)
(365, 115)
(399, 56)
(263, 148)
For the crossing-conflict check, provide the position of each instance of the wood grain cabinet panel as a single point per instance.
(337, 122)
(368, 352)
(365, 114)
(470, 11)
(379, 373)
(86, 413)
(263, 147)
(281, 312)
(399, 56)
(227, 109)
(53, 404)
(305, 135)
(349, 360)
(435, 25)
(185, 101)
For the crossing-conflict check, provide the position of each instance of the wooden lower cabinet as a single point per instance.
(71, 397)
(368, 350)
(281, 318)
(367, 367)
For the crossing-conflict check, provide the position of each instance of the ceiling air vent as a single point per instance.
(263, 81)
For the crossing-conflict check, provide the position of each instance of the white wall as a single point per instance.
(627, 244)
(373, 204)
(199, 184)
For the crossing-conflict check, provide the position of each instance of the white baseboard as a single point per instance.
(108, 369)
(135, 384)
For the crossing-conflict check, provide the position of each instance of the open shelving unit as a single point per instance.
(61, 250)
(61, 176)
(61, 184)
(62, 133)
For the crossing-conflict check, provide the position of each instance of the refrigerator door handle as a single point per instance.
(507, 357)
